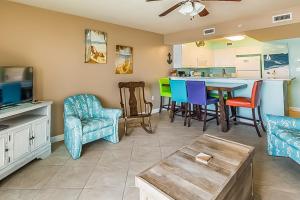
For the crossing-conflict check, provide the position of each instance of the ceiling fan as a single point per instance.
(190, 7)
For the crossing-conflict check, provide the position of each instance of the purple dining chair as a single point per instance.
(197, 96)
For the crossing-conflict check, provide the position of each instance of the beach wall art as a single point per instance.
(124, 59)
(276, 65)
(95, 47)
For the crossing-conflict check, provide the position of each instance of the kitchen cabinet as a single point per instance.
(193, 56)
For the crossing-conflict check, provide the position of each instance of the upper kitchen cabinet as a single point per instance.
(189, 55)
(224, 57)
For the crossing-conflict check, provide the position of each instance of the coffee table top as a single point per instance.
(180, 176)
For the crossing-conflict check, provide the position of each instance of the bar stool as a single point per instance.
(165, 92)
(253, 102)
(179, 95)
(197, 95)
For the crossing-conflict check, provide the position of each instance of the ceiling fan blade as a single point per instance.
(172, 8)
(152, 0)
(203, 13)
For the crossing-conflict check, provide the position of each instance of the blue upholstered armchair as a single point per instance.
(85, 120)
(284, 137)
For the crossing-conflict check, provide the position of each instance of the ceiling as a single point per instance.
(142, 15)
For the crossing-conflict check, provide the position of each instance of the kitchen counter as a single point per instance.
(231, 78)
(273, 95)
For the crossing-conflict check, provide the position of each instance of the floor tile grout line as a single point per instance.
(90, 175)
(123, 195)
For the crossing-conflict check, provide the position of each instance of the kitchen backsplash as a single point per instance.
(207, 72)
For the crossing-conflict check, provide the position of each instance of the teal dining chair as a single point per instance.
(179, 96)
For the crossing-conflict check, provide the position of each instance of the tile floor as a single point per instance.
(106, 171)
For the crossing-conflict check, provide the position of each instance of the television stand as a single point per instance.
(24, 135)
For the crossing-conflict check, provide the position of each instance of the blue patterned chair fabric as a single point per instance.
(85, 120)
(284, 137)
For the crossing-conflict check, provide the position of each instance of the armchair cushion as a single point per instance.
(90, 125)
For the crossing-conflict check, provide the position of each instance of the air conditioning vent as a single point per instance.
(282, 18)
(209, 31)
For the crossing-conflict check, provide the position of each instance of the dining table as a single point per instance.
(223, 87)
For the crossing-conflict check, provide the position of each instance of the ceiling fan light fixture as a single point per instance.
(187, 8)
(236, 37)
(198, 7)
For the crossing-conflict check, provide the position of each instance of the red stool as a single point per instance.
(253, 103)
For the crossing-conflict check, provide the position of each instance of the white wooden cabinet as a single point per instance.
(21, 142)
(2, 151)
(189, 55)
(28, 135)
(39, 133)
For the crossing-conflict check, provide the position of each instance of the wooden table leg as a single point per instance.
(223, 118)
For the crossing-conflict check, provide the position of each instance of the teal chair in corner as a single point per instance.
(283, 137)
(85, 120)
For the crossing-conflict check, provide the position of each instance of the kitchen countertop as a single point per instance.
(265, 79)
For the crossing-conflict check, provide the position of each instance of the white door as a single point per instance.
(39, 132)
(21, 142)
(2, 151)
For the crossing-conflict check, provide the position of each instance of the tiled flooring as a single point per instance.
(106, 171)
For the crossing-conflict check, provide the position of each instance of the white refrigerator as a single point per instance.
(248, 66)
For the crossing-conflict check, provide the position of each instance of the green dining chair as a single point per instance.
(165, 92)
(216, 95)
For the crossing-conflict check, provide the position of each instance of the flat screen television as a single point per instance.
(16, 85)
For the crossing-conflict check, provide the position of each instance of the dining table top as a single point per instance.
(225, 86)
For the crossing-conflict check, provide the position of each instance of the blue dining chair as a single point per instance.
(197, 95)
(179, 96)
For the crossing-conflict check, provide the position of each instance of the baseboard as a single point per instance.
(57, 138)
(294, 109)
(155, 110)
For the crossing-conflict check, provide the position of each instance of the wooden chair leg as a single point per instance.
(260, 119)
(205, 119)
(255, 122)
(200, 112)
(185, 113)
(125, 126)
(172, 114)
(190, 115)
(217, 113)
(169, 103)
(161, 104)
(182, 108)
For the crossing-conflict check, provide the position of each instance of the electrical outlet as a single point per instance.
(152, 98)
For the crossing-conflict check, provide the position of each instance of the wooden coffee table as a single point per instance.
(226, 176)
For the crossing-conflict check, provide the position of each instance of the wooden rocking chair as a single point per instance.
(134, 104)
